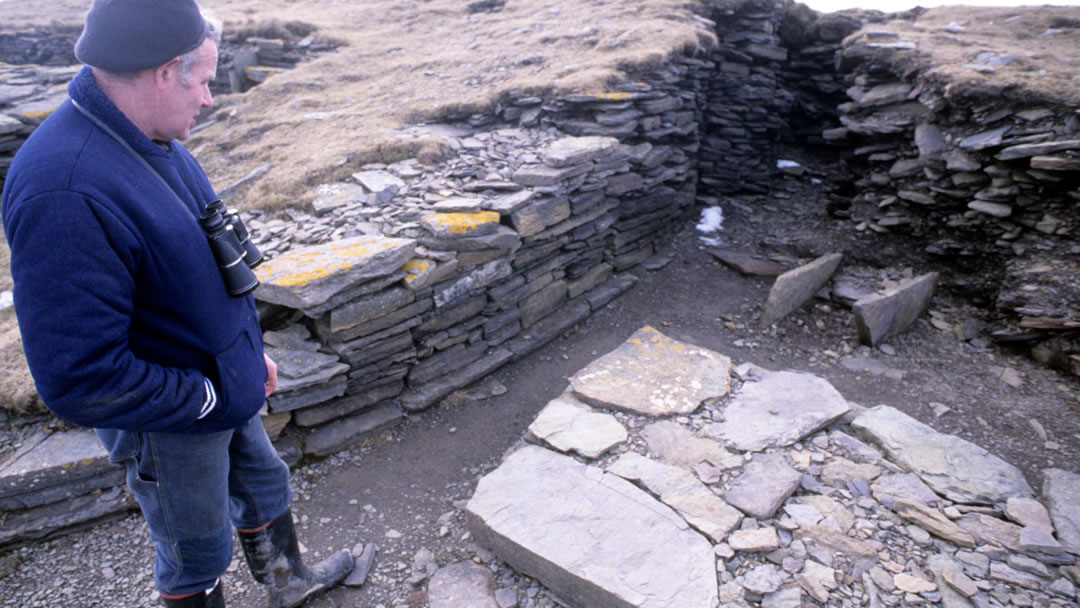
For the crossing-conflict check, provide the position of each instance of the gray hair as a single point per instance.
(189, 59)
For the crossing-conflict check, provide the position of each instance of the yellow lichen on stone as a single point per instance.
(461, 223)
(300, 268)
(614, 95)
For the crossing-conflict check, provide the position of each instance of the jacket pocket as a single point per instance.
(241, 380)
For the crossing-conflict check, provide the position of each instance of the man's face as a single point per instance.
(184, 97)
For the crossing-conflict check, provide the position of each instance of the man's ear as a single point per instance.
(166, 73)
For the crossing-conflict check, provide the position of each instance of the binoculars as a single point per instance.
(233, 250)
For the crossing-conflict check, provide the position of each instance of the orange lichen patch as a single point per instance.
(417, 269)
(461, 223)
(295, 269)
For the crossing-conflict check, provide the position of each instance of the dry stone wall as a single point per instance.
(989, 183)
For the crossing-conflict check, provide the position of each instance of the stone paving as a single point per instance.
(772, 491)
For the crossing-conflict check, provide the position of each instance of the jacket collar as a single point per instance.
(86, 92)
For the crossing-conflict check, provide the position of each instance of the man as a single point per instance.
(127, 322)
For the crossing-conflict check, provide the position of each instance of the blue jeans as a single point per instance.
(193, 489)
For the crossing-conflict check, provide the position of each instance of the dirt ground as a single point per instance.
(400, 488)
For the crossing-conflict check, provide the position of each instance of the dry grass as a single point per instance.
(1044, 40)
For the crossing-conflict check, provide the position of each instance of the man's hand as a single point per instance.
(271, 374)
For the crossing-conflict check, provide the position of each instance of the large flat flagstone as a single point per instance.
(953, 467)
(304, 278)
(778, 410)
(653, 375)
(594, 539)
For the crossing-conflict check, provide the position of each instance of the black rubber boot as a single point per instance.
(215, 598)
(273, 554)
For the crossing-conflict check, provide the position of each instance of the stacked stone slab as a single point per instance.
(796, 496)
(975, 177)
(747, 100)
(28, 93)
(58, 481)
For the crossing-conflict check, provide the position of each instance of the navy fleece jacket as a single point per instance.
(124, 316)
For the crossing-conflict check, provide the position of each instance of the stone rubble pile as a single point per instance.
(780, 493)
(976, 177)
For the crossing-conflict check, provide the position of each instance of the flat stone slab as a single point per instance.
(576, 150)
(1061, 489)
(569, 425)
(629, 551)
(953, 467)
(778, 410)
(883, 315)
(60, 466)
(462, 585)
(680, 490)
(766, 482)
(654, 375)
(305, 278)
(674, 444)
(793, 288)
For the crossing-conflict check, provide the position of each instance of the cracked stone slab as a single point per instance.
(462, 585)
(680, 490)
(778, 410)
(953, 467)
(674, 444)
(569, 425)
(597, 543)
(654, 375)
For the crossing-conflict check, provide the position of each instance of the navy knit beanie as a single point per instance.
(124, 36)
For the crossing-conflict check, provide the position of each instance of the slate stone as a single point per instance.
(570, 151)
(777, 410)
(337, 408)
(474, 280)
(336, 195)
(462, 585)
(461, 225)
(460, 204)
(297, 364)
(426, 395)
(881, 316)
(793, 288)
(1029, 150)
(955, 468)
(1061, 491)
(381, 183)
(765, 483)
(342, 432)
(932, 521)
(888, 488)
(1029, 512)
(327, 369)
(499, 237)
(885, 94)
(539, 213)
(306, 277)
(601, 562)
(763, 579)
(507, 204)
(311, 393)
(541, 175)
(40, 522)
(679, 489)
(986, 139)
(676, 445)
(568, 425)
(930, 141)
(653, 375)
(748, 264)
(57, 467)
